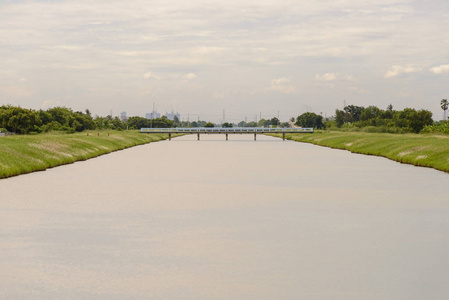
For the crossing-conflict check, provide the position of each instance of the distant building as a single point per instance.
(152, 115)
(123, 117)
(172, 115)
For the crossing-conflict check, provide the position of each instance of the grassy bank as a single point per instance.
(426, 150)
(28, 153)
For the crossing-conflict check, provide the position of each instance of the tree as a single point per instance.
(176, 121)
(60, 115)
(444, 105)
(413, 120)
(19, 120)
(139, 122)
(275, 121)
(227, 125)
(339, 117)
(353, 113)
(263, 123)
(209, 124)
(310, 119)
(369, 116)
(390, 107)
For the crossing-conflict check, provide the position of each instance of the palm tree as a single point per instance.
(444, 105)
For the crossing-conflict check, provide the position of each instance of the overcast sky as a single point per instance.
(247, 57)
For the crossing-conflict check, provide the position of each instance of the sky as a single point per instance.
(240, 58)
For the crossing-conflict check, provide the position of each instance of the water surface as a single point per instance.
(212, 219)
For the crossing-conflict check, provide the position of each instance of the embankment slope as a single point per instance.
(425, 150)
(22, 154)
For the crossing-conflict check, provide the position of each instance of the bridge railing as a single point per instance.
(226, 130)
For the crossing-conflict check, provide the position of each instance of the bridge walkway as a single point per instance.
(226, 131)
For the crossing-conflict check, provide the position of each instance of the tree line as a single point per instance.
(21, 120)
(27, 121)
(370, 118)
(408, 119)
(351, 117)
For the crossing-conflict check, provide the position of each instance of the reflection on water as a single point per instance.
(226, 220)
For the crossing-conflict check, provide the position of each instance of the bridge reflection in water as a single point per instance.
(226, 131)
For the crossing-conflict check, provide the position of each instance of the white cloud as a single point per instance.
(357, 90)
(397, 70)
(327, 77)
(282, 85)
(100, 23)
(333, 77)
(47, 104)
(209, 50)
(15, 91)
(280, 81)
(169, 76)
(440, 69)
(218, 95)
(103, 44)
(350, 78)
(190, 76)
(150, 75)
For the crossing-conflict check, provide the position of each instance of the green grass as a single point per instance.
(426, 150)
(22, 154)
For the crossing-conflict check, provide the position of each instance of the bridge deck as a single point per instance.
(234, 130)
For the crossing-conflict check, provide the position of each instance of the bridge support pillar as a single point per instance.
(198, 136)
(283, 136)
(169, 136)
(226, 136)
(255, 136)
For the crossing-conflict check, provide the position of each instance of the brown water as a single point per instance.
(226, 220)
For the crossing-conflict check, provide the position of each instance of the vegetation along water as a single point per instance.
(427, 150)
(40, 142)
(21, 154)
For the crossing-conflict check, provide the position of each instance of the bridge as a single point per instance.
(225, 130)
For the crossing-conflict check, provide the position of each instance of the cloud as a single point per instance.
(190, 76)
(397, 70)
(440, 69)
(15, 91)
(333, 77)
(209, 50)
(327, 77)
(47, 103)
(359, 91)
(282, 85)
(169, 76)
(150, 75)
(218, 95)
(103, 44)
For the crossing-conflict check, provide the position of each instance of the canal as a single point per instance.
(216, 219)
